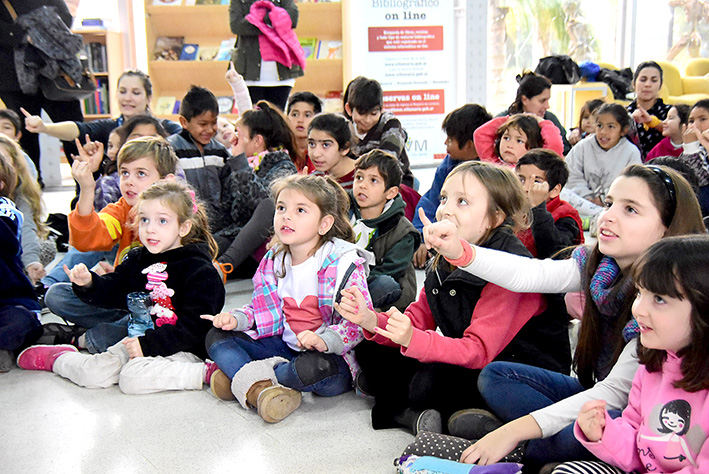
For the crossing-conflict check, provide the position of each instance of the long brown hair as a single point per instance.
(678, 267)
(327, 195)
(505, 196)
(267, 120)
(686, 219)
(27, 188)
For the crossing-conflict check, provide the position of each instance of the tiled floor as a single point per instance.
(51, 425)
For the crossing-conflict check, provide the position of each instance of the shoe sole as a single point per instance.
(429, 420)
(220, 386)
(277, 402)
(473, 423)
(69, 348)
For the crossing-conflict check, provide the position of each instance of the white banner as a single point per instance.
(407, 45)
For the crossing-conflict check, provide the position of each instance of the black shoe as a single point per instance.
(361, 386)
(56, 333)
(40, 290)
(429, 420)
(472, 423)
(7, 360)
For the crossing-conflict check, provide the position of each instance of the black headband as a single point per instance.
(670, 186)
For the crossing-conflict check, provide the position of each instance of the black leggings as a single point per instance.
(276, 95)
(399, 382)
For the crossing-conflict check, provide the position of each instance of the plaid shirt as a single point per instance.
(265, 312)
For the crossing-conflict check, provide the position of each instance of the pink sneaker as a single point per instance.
(209, 368)
(42, 357)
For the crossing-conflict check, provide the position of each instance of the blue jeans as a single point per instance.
(106, 326)
(19, 327)
(384, 291)
(74, 257)
(513, 390)
(326, 375)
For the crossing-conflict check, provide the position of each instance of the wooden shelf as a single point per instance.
(113, 40)
(204, 20)
(180, 75)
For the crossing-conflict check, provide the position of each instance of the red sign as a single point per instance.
(406, 38)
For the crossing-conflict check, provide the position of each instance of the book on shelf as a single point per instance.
(310, 47)
(329, 50)
(165, 105)
(208, 53)
(176, 108)
(189, 52)
(224, 53)
(95, 54)
(168, 48)
(98, 103)
(167, 2)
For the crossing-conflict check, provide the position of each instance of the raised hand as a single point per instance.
(33, 123)
(398, 329)
(311, 341)
(79, 275)
(224, 321)
(538, 192)
(640, 115)
(353, 307)
(442, 237)
(592, 419)
(231, 76)
(90, 152)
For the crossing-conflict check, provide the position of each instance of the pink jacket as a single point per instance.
(277, 41)
(663, 429)
(484, 139)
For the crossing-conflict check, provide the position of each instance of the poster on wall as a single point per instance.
(407, 45)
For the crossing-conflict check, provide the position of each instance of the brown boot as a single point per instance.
(220, 385)
(273, 402)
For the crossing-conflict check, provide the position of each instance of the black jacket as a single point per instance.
(197, 286)
(452, 296)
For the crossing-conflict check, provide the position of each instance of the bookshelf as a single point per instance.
(208, 26)
(110, 63)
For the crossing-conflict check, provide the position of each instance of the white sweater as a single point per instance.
(528, 275)
(592, 169)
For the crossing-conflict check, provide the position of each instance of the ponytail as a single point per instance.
(267, 120)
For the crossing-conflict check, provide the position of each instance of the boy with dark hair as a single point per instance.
(377, 216)
(372, 128)
(201, 156)
(555, 223)
(302, 108)
(459, 126)
(11, 125)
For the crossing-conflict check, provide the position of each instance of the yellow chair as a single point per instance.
(697, 67)
(681, 90)
(607, 66)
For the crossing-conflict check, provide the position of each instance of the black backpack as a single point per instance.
(620, 82)
(559, 69)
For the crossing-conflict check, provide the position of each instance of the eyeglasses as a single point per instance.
(670, 186)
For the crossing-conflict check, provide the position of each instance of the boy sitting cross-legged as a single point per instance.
(555, 223)
(141, 162)
(377, 216)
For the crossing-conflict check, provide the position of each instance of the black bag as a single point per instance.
(559, 69)
(64, 88)
(620, 82)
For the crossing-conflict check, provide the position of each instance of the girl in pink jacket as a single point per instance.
(664, 428)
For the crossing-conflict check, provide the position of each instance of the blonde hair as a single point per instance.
(327, 195)
(8, 176)
(180, 197)
(27, 188)
(155, 148)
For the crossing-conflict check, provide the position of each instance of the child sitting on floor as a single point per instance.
(173, 270)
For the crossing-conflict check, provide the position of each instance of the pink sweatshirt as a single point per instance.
(484, 139)
(663, 429)
(664, 148)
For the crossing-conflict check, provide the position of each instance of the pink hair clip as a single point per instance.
(194, 201)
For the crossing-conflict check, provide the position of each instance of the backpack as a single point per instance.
(559, 69)
(620, 82)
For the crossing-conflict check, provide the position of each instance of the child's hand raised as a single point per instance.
(224, 321)
(538, 192)
(353, 307)
(442, 237)
(90, 152)
(133, 347)
(640, 115)
(311, 341)
(79, 275)
(33, 123)
(592, 419)
(82, 173)
(231, 76)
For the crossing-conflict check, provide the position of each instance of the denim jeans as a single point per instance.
(19, 327)
(106, 326)
(323, 374)
(513, 390)
(74, 257)
(139, 303)
(384, 291)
